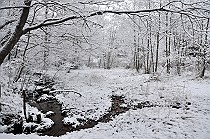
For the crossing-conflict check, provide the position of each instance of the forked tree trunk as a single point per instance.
(9, 45)
(12, 41)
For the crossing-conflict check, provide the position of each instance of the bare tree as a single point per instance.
(22, 29)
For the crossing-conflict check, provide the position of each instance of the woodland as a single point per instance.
(104, 69)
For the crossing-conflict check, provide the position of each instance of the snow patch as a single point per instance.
(45, 97)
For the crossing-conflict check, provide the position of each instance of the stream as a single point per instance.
(59, 128)
(52, 105)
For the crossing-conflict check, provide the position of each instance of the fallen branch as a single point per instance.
(54, 91)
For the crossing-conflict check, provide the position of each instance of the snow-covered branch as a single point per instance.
(7, 23)
(58, 21)
(14, 7)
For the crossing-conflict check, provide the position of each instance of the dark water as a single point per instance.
(59, 128)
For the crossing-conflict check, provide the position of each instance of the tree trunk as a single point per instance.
(22, 65)
(157, 52)
(136, 49)
(0, 96)
(151, 49)
(9, 45)
(167, 46)
(24, 103)
(108, 66)
(89, 60)
(46, 47)
(158, 41)
(203, 68)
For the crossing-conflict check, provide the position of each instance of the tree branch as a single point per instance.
(12, 41)
(58, 21)
(6, 23)
(19, 31)
(14, 7)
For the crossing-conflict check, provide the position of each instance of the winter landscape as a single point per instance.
(104, 69)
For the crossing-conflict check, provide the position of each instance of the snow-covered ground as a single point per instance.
(96, 86)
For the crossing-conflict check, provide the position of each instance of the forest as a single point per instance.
(101, 69)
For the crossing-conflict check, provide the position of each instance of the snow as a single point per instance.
(200, 88)
(71, 121)
(49, 113)
(3, 128)
(96, 87)
(45, 124)
(45, 97)
(93, 87)
(11, 105)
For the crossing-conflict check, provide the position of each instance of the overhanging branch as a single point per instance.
(14, 7)
(58, 21)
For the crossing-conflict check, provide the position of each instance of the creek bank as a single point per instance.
(52, 109)
(57, 117)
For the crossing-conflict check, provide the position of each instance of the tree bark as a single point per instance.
(167, 46)
(158, 43)
(204, 61)
(9, 45)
